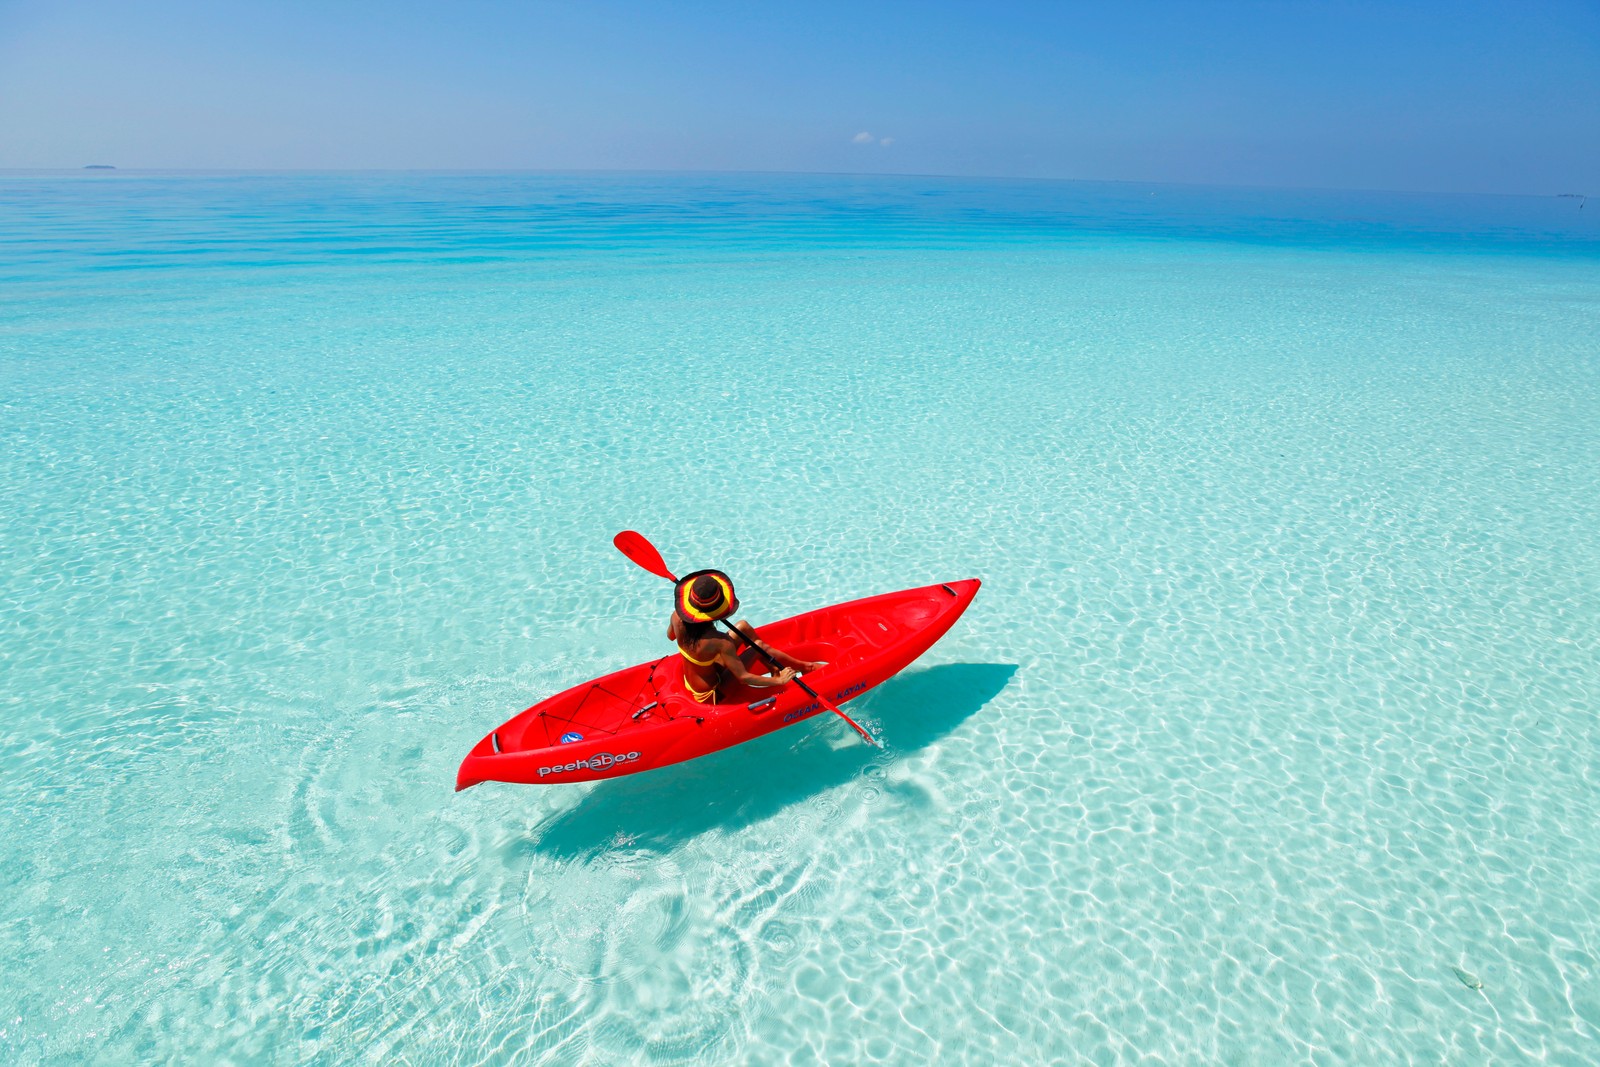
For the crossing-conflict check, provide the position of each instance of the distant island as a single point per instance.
(99, 166)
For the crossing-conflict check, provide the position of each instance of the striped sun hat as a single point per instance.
(704, 596)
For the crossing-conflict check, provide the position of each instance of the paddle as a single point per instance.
(636, 547)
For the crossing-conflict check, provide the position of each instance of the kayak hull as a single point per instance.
(641, 718)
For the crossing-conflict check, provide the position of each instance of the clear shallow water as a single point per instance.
(1277, 710)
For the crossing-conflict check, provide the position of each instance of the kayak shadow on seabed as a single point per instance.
(728, 790)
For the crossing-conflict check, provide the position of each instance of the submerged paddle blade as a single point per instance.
(633, 545)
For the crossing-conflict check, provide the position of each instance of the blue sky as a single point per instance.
(1487, 97)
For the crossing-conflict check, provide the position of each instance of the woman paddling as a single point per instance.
(711, 658)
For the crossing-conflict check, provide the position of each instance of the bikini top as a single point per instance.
(696, 662)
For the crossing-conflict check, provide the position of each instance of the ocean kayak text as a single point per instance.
(815, 706)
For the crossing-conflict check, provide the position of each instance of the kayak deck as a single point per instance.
(642, 717)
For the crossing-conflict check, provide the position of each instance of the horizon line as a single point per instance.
(104, 168)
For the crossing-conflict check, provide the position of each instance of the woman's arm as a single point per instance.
(736, 669)
(783, 658)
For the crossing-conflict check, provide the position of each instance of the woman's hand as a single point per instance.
(815, 665)
(783, 677)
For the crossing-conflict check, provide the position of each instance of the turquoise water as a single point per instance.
(1271, 738)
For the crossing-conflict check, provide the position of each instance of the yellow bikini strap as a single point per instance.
(696, 662)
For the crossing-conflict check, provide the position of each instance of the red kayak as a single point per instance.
(642, 718)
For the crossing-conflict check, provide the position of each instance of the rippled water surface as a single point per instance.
(1271, 738)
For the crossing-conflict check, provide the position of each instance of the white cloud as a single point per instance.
(862, 138)
(886, 141)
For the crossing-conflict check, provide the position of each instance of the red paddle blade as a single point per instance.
(633, 545)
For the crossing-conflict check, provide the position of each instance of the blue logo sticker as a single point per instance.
(567, 739)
